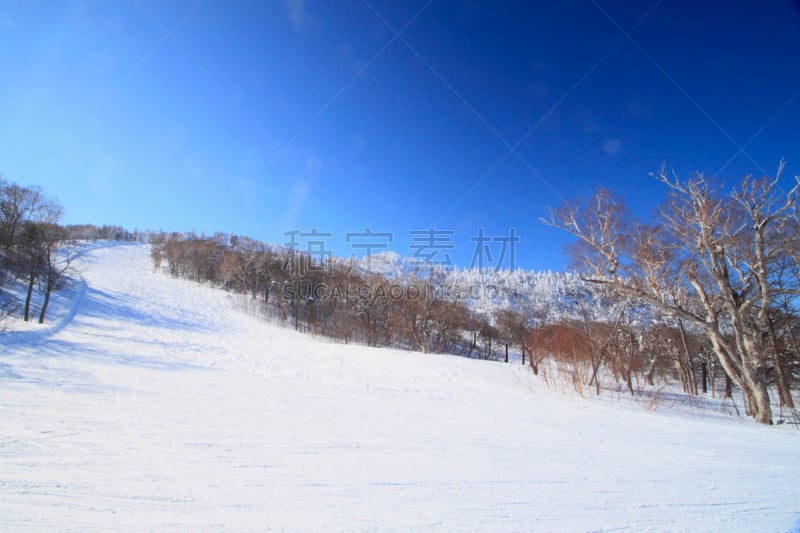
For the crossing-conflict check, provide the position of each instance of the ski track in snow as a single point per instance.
(156, 404)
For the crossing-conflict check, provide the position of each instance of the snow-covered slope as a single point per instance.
(155, 404)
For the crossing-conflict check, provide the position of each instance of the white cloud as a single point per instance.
(296, 13)
(295, 204)
(612, 146)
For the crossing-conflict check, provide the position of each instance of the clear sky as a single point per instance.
(267, 117)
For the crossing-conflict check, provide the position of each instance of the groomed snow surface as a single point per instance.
(150, 403)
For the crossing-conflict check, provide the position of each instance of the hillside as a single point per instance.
(151, 403)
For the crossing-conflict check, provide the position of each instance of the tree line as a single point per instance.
(335, 299)
(633, 348)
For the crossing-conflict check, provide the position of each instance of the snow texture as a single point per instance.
(150, 403)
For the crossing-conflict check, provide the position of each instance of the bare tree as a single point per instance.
(39, 236)
(513, 327)
(55, 265)
(18, 206)
(157, 256)
(709, 261)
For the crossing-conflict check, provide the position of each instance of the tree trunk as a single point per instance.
(784, 387)
(747, 376)
(629, 366)
(47, 292)
(651, 369)
(31, 282)
(759, 396)
(686, 362)
(704, 369)
(712, 371)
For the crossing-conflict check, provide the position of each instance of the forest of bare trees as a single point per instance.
(29, 237)
(334, 299)
(723, 262)
(601, 336)
(35, 249)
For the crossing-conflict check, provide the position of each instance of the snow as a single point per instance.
(150, 403)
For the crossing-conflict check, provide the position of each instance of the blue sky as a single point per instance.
(261, 118)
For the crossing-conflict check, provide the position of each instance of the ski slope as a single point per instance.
(151, 403)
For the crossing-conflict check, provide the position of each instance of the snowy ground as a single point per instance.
(154, 404)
